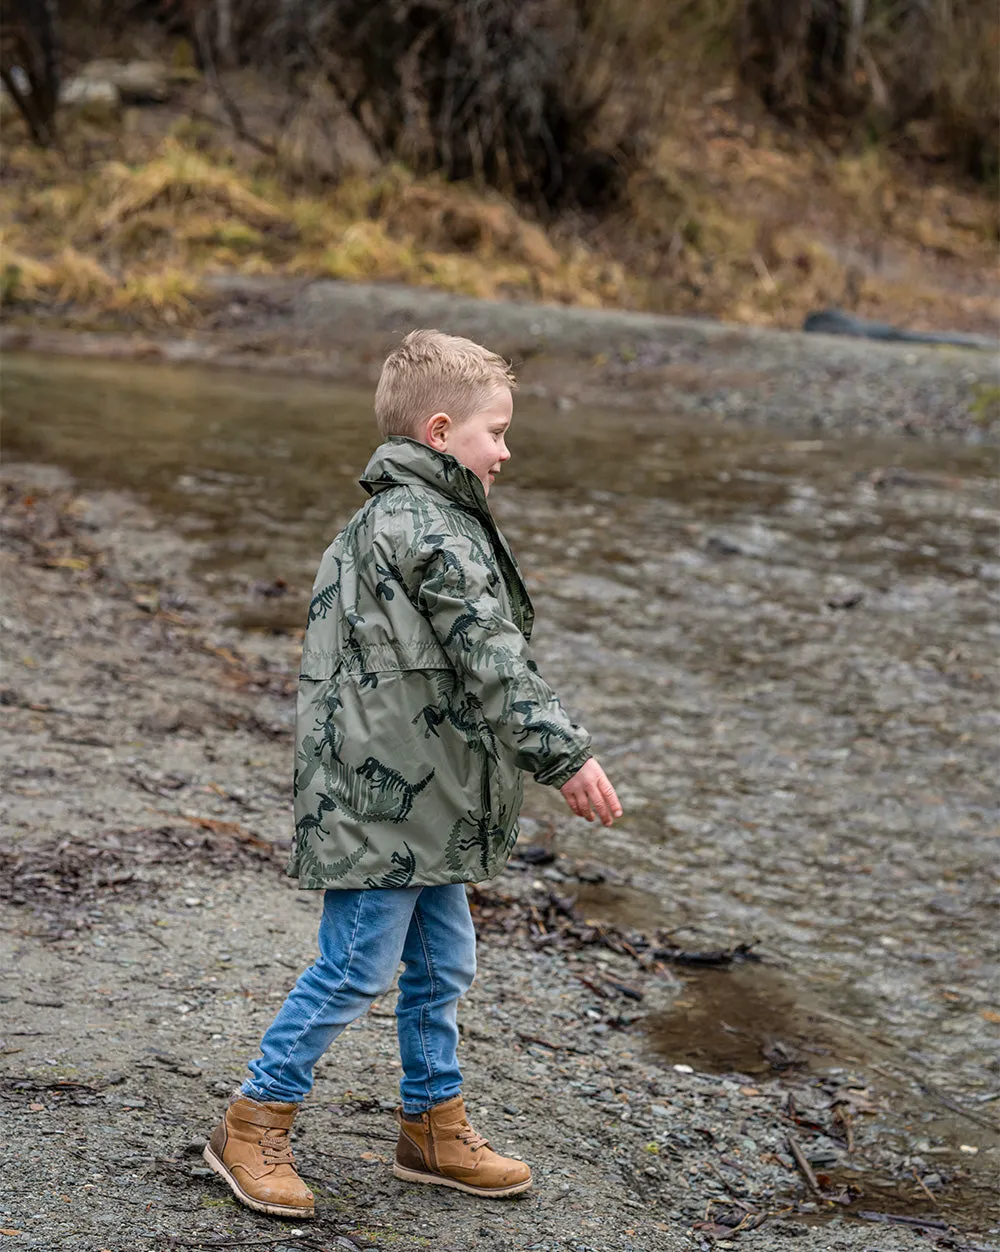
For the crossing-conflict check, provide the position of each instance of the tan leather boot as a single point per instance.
(250, 1149)
(441, 1147)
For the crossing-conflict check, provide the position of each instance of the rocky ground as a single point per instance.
(148, 936)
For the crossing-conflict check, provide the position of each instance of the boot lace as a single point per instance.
(277, 1148)
(471, 1138)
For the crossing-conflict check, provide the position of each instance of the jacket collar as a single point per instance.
(405, 462)
(402, 462)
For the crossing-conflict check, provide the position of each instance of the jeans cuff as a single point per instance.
(253, 1092)
(421, 1106)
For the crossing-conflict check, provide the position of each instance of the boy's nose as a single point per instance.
(504, 453)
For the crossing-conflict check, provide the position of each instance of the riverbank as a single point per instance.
(811, 383)
(148, 936)
(715, 208)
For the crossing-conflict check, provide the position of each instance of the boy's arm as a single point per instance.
(457, 597)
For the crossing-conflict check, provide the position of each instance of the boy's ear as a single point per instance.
(437, 431)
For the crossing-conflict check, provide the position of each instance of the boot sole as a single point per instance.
(413, 1175)
(276, 1210)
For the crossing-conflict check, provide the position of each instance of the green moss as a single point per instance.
(10, 281)
(239, 235)
(986, 404)
(385, 1235)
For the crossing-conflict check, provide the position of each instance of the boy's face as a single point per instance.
(478, 442)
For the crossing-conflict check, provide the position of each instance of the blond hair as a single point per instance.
(430, 373)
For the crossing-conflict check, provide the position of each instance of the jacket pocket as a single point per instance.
(391, 656)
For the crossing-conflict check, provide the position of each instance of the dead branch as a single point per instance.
(805, 1169)
(229, 105)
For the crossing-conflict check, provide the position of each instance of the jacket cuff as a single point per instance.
(559, 774)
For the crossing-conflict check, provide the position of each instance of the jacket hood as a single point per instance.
(405, 462)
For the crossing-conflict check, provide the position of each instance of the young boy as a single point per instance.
(418, 709)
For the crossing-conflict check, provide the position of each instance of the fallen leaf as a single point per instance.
(8, 1230)
(991, 1016)
(67, 562)
(372, 1156)
(37, 1108)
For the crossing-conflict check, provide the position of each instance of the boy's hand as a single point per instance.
(589, 792)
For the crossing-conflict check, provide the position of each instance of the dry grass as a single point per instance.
(736, 219)
(727, 218)
(138, 237)
(177, 177)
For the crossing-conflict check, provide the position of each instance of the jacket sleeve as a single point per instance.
(458, 596)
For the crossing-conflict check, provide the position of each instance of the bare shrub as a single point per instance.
(29, 63)
(882, 64)
(527, 96)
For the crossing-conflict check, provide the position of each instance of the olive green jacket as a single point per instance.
(418, 704)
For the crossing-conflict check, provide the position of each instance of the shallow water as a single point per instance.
(785, 649)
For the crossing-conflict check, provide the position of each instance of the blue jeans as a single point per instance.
(363, 935)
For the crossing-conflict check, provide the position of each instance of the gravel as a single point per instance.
(148, 937)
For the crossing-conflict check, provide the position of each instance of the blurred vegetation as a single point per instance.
(878, 66)
(749, 159)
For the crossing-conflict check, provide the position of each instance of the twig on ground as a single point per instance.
(923, 1186)
(725, 1182)
(718, 957)
(592, 986)
(546, 1043)
(219, 827)
(805, 1168)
